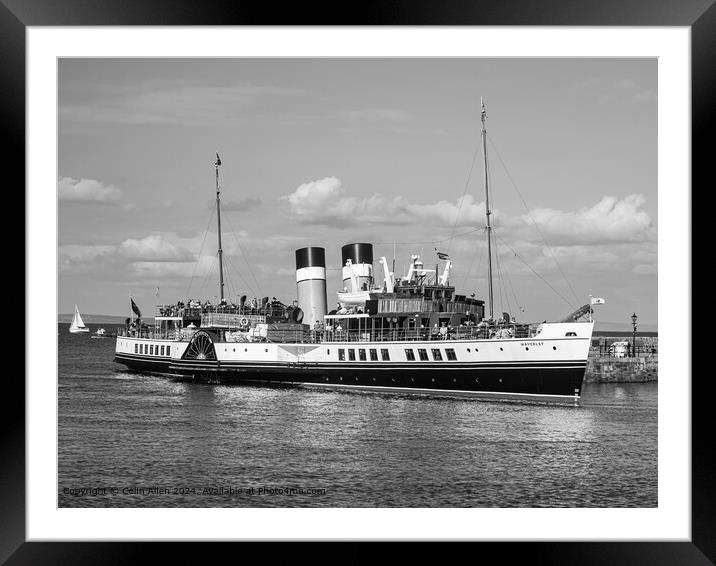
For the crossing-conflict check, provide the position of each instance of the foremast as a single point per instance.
(488, 211)
(218, 219)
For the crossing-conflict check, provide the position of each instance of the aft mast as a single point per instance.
(488, 212)
(218, 218)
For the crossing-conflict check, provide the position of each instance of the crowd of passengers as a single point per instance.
(224, 306)
(443, 332)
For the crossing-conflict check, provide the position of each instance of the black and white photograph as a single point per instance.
(351, 282)
(398, 277)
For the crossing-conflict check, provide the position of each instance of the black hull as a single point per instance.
(559, 382)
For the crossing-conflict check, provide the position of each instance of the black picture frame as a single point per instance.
(17, 15)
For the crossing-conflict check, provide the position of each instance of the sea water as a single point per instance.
(136, 440)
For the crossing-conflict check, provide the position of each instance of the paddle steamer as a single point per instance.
(411, 334)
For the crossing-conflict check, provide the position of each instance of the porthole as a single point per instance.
(554, 347)
(527, 349)
(433, 380)
(501, 350)
(468, 349)
(392, 379)
(340, 378)
(500, 380)
(454, 380)
(477, 380)
(374, 379)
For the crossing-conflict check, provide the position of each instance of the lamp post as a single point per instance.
(633, 336)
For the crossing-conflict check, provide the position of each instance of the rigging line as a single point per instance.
(428, 242)
(208, 273)
(499, 275)
(233, 287)
(529, 214)
(464, 194)
(505, 283)
(253, 290)
(537, 274)
(246, 257)
(514, 295)
(249, 287)
(246, 284)
(196, 264)
(472, 261)
(501, 280)
(229, 283)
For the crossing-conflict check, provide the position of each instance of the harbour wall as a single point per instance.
(606, 369)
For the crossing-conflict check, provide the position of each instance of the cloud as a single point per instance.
(73, 256)
(377, 114)
(624, 90)
(170, 102)
(175, 269)
(645, 96)
(155, 249)
(247, 204)
(169, 255)
(610, 220)
(87, 191)
(324, 201)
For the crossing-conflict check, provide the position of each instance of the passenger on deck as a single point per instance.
(443, 331)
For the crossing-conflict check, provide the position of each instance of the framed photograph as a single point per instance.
(397, 278)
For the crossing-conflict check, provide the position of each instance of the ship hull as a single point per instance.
(548, 369)
(545, 382)
(550, 383)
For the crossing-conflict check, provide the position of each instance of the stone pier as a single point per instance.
(604, 369)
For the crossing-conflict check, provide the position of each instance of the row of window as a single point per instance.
(151, 349)
(372, 352)
(385, 356)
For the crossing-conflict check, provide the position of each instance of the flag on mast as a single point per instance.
(135, 308)
(442, 255)
(597, 301)
(218, 160)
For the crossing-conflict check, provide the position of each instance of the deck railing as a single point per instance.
(333, 335)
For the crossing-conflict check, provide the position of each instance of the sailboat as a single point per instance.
(78, 324)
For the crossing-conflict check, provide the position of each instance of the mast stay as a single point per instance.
(488, 212)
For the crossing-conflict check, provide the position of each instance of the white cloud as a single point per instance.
(610, 220)
(72, 256)
(154, 248)
(87, 191)
(175, 269)
(324, 202)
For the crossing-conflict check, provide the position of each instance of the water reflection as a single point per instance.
(364, 449)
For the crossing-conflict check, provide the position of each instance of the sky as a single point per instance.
(328, 151)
